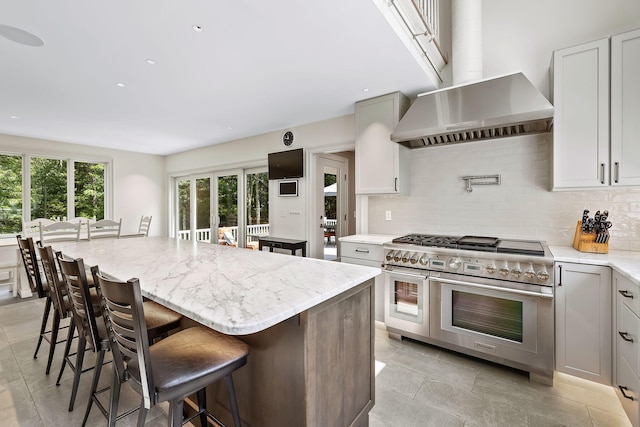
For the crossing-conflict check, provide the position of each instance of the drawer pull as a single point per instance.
(626, 294)
(622, 390)
(363, 251)
(625, 336)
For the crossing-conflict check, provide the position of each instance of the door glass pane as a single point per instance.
(184, 209)
(89, 190)
(228, 209)
(330, 213)
(48, 188)
(203, 209)
(10, 194)
(257, 207)
(488, 315)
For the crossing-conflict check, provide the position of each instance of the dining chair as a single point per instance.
(59, 231)
(104, 228)
(172, 369)
(32, 228)
(145, 224)
(29, 258)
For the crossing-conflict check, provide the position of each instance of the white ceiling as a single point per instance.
(257, 66)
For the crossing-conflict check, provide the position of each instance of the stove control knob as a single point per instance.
(405, 257)
(530, 274)
(516, 271)
(424, 260)
(504, 270)
(397, 256)
(543, 276)
(455, 263)
(389, 256)
(490, 268)
(414, 258)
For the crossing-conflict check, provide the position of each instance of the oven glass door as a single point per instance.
(498, 316)
(406, 296)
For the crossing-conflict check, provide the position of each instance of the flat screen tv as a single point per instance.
(286, 164)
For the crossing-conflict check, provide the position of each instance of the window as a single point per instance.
(10, 194)
(54, 189)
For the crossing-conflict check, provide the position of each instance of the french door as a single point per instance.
(194, 195)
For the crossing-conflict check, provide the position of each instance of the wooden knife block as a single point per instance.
(586, 242)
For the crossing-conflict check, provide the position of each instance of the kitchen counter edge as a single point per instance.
(627, 263)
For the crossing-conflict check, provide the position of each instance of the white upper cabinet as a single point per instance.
(625, 108)
(581, 115)
(596, 96)
(382, 166)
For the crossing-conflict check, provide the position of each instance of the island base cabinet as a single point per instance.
(315, 369)
(627, 383)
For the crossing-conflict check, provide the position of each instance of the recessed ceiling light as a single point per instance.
(120, 84)
(229, 127)
(13, 117)
(197, 28)
(151, 62)
(365, 90)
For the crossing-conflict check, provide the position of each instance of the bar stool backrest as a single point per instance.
(75, 278)
(57, 289)
(30, 261)
(128, 338)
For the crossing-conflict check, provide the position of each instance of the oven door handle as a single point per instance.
(401, 273)
(494, 288)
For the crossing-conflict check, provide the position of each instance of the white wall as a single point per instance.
(517, 36)
(284, 219)
(138, 184)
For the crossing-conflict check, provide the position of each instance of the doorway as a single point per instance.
(331, 204)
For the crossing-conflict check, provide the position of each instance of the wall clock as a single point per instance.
(287, 138)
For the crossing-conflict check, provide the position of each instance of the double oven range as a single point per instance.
(482, 296)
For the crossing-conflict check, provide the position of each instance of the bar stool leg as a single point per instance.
(176, 407)
(82, 343)
(94, 385)
(231, 391)
(43, 328)
(67, 348)
(54, 338)
(202, 404)
(142, 414)
(115, 398)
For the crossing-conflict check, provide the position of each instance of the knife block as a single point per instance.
(586, 242)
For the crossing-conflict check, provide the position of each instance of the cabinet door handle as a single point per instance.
(395, 184)
(625, 336)
(364, 251)
(616, 172)
(625, 395)
(560, 275)
(601, 173)
(625, 293)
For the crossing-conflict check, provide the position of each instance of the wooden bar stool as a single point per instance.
(172, 369)
(88, 320)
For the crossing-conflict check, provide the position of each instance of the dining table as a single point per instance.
(309, 323)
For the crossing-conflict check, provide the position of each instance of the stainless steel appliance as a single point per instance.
(483, 296)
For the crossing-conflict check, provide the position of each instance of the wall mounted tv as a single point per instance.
(286, 164)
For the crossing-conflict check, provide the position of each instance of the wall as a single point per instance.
(288, 216)
(138, 184)
(517, 36)
(521, 207)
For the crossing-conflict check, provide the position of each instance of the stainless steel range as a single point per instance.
(483, 296)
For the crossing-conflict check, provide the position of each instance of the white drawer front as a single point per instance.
(628, 294)
(362, 251)
(626, 336)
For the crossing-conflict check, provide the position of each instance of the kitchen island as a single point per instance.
(309, 323)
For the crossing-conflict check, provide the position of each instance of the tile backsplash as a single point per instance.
(522, 206)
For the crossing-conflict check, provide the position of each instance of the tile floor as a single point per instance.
(417, 385)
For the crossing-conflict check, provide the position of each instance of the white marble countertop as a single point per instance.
(626, 263)
(374, 239)
(232, 290)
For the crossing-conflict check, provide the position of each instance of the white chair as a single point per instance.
(105, 228)
(59, 231)
(32, 228)
(145, 223)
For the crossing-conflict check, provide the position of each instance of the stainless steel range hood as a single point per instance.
(493, 108)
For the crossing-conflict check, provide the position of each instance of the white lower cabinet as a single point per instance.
(583, 321)
(370, 255)
(627, 353)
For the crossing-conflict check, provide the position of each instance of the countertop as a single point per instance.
(374, 239)
(626, 263)
(232, 290)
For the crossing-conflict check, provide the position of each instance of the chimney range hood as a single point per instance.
(493, 108)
